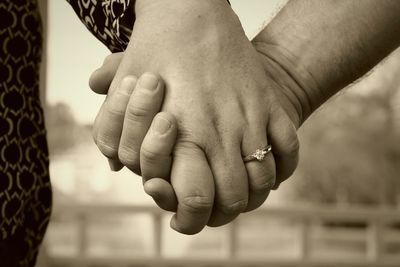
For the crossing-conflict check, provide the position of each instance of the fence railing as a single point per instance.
(379, 224)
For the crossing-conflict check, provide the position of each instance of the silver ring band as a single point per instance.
(259, 155)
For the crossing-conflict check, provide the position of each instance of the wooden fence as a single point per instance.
(379, 224)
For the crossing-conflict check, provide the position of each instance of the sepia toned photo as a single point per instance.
(201, 133)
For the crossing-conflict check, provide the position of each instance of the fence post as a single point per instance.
(305, 238)
(157, 235)
(82, 239)
(374, 240)
(232, 240)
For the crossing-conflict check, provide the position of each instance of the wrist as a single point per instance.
(300, 92)
(361, 33)
(181, 8)
(186, 24)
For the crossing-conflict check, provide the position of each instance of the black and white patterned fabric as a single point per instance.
(25, 192)
(111, 21)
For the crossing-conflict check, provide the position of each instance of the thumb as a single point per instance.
(100, 80)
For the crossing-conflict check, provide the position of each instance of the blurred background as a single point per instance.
(340, 208)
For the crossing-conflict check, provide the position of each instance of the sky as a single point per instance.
(73, 53)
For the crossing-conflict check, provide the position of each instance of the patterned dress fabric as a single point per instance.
(111, 21)
(25, 192)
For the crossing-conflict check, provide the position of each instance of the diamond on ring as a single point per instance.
(259, 155)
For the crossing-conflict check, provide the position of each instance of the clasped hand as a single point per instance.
(209, 100)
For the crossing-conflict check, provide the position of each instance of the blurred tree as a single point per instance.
(63, 132)
(350, 149)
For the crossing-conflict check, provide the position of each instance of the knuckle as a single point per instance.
(293, 147)
(150, 156)
(115, 109)
(256, 201)
(197, 204)
(185, 148)
(262, 183)
(166, 116)
(116, 103)
(263, 187)
(235, 207)
(135, 112)
(107, 149)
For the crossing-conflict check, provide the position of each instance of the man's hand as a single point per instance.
(226, 107)
(220, 97)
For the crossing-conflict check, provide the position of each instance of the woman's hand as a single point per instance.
(297, 81)
(226, 107)
(112, 128)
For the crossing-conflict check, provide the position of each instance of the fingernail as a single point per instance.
(275, 186)
(148, 81)
(161, 125)
(115, 165)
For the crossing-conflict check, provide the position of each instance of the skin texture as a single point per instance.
(326, 45)
(210, 180)
(159, 140)
(213, 74)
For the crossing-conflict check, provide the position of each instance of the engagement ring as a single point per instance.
(258, 155)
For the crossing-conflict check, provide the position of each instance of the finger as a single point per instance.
(193, 183)
(109, 124)
(283, 138)
(219, 218)
(261, 171)
(115, 165)
(162, 193)
(100, 80)
(143, 105)
(231, 183)
(156, 159)
(157, 146)
(96, 124)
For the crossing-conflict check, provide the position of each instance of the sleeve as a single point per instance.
(111, 21)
